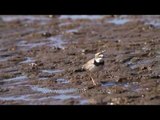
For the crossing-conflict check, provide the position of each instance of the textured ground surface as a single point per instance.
(40, 55)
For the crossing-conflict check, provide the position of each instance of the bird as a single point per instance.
(94, 65)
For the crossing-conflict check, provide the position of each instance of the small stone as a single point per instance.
(71, 101)
(143, 96)
(111, 103)
(13, 49)
(155, 76)
(149, 68)
(51, 16)
(79, 70)
(135, 59)
(33, 65)
(109, 92)
(118, 41)
(92, 101)
(145, 43)
(46, 34)
(120, 79)
(83, 51)
(4, 89)
(143, 68)
(150, 27)
(143, 28)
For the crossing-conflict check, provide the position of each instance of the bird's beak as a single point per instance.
(103, 51)
(104, 55)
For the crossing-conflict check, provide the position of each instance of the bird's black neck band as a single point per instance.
(98, 63)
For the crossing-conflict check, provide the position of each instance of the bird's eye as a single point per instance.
(101, 55)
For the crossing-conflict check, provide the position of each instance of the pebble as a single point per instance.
(46, 34)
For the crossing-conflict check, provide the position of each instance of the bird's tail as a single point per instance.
(79, 70)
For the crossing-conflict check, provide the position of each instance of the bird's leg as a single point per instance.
(94, 83)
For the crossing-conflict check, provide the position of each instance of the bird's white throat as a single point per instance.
(98, 60)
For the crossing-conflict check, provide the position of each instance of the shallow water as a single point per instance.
(134, 65)
(65, 97)
(110, 84)
(76, 17)
(134, 87)
(63, 94)
(29, 46)
(156, 24)
(61, 80)
(83, 102)
(58, 91)
(52, 71)
(18, 78)
(5, 57)
(42, 90)
(118, 21)
(72, 30)
(43, 78)
(12, 70)
(65, 24)
(22, 97)
(64, 91)
(28, 60)
(56, 41)
(41, 19)
(152, 21)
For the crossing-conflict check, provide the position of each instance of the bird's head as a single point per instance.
(99, 56)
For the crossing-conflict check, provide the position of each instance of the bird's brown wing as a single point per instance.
(87, 65)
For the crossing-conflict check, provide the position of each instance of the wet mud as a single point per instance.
(40, 58)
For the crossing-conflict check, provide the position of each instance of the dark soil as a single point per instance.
(40, 57)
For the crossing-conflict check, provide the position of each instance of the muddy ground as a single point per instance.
(40, 57)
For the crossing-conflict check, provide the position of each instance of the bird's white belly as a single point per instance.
(95, 68)
(90, 66)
